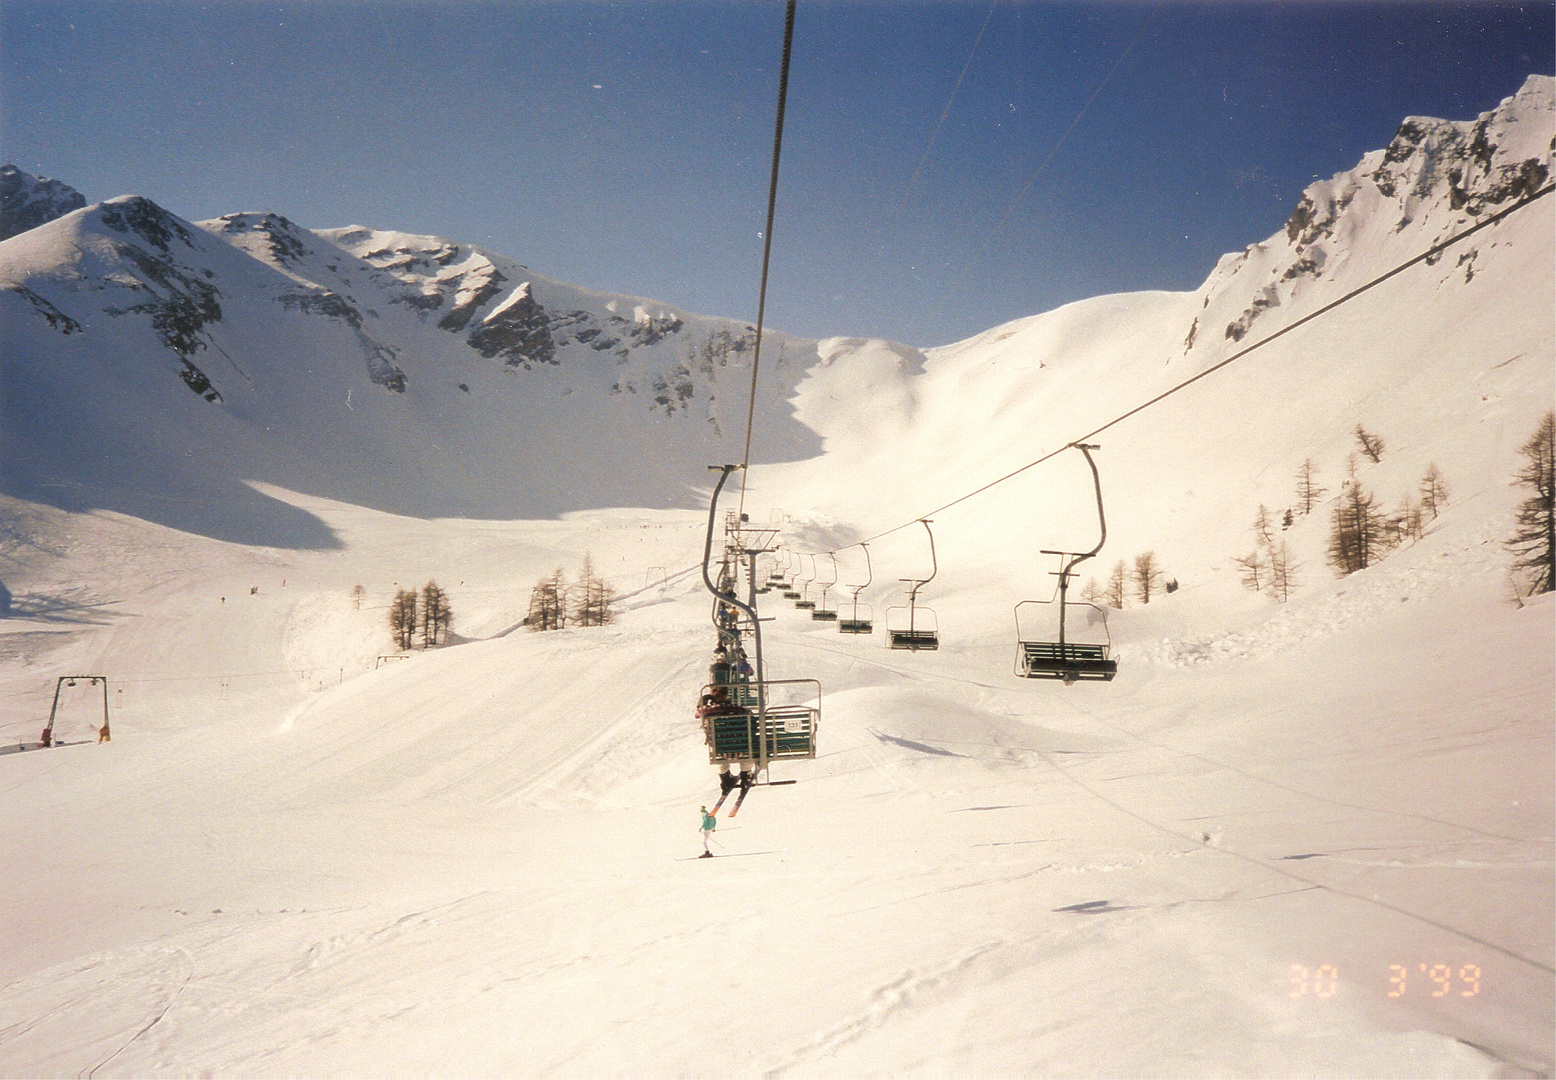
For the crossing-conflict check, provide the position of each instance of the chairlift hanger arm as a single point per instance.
(707, 548)
(934, 563)
(1077, 557)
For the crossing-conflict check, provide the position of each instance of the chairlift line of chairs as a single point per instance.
(748, 718)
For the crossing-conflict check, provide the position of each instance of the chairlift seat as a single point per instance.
(821, 615)
(855, 626)
(914, 639)
(790, 733)
(805, 605)
(1069, 661)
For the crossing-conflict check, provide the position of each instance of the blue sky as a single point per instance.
(625, 146)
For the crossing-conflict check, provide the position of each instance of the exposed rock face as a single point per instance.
(301, 255)
(1433, 180)
(286, 242)
(27, 201)
(526, 322)
(519, 331)
(179, 303)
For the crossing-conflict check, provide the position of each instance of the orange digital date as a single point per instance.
(1323, 981)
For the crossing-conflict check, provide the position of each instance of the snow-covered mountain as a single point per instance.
(153, 365)
(27, 201)
(1435, 178)
(1450, 362)
(1310, 837)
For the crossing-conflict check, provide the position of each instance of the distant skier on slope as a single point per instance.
(709, 823)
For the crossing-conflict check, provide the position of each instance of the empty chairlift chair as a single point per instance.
(790, 589)
(858, 618)
(805, 603)
(1040, 654)
(913, 626)
(821, 612)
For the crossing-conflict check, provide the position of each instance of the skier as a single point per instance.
(709, 823)
(718, 671)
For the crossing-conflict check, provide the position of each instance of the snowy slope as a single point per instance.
(1449, 363)
(1308, 838)
(137, 342)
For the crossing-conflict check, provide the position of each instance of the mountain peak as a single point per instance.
(1433, 180)
(27, 201)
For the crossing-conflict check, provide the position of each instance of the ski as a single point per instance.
(722, 796)
(742, 798)
(726, 855)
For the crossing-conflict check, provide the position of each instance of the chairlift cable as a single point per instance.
(1059, 143)
(947, 110)
(767, 242)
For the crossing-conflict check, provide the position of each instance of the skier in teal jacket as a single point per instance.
(709, 823)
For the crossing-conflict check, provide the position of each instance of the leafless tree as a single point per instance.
(1533, 543)
(592, 597)
(1434, 491)
(1309, 490)
(437, 616)
(1369, 444)
(1147, 576)
(548, 604)
(1283, 571)
(1358, 534)
(402, 617)
(1263, 527)
(1253, 569)
(1114, 593)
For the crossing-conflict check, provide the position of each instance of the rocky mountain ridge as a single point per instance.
(405, 372)
(1434, 179)
(27, 201)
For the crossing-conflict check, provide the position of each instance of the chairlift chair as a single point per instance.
(1069, 661)
(822, 613)
(857, 622)
(790, 590)
(804, 602)
(913, 626)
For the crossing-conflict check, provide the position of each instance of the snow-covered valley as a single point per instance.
(1312, 837)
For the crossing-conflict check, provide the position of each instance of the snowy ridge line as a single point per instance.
(1504, 950)
(1431, 252)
